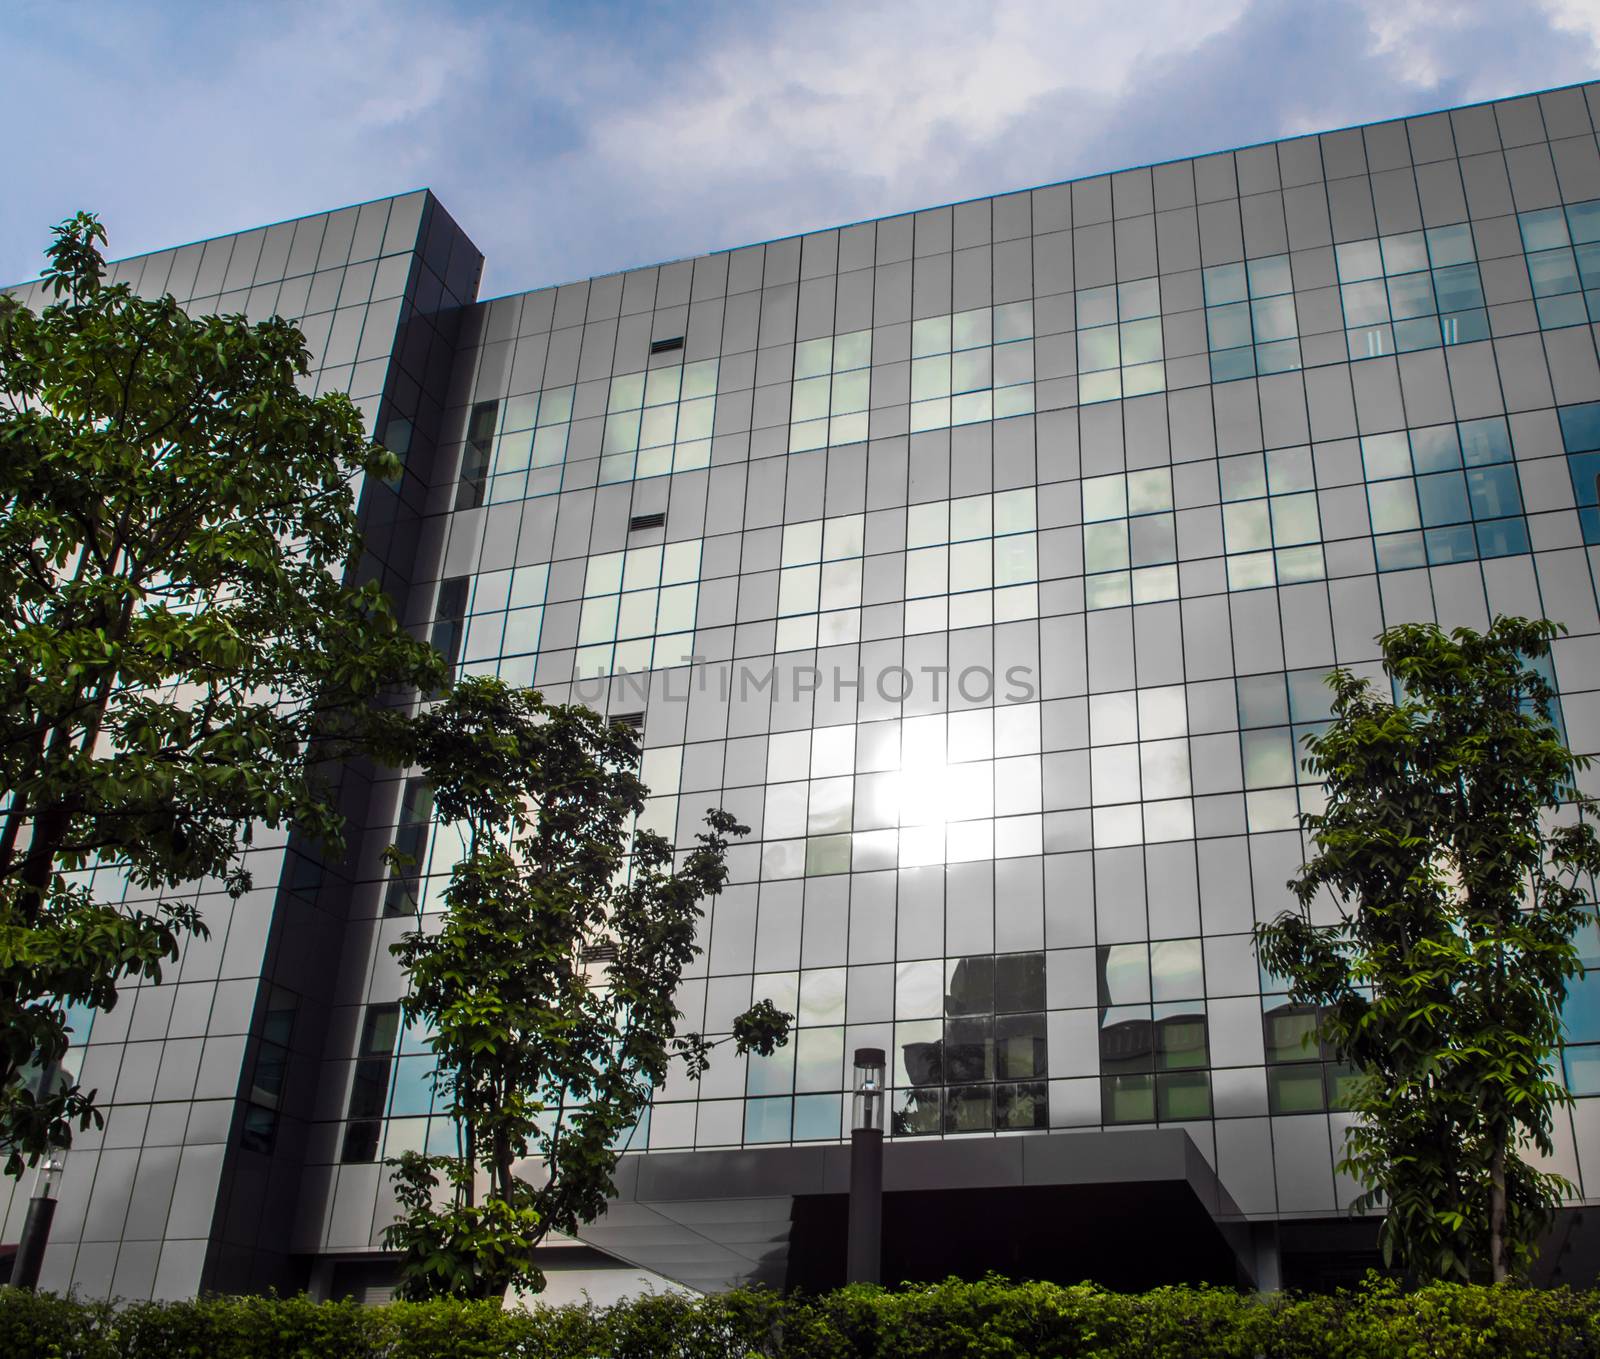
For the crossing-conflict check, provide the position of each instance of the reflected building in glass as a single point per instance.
(986, 561)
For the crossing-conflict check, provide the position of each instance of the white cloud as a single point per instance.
(567, 142)
(881, 96)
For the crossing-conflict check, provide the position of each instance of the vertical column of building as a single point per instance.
(318, 924)
(196, 1075)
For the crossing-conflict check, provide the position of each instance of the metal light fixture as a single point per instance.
(864, 1254)
(29, 1260)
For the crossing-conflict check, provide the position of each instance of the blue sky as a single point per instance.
(572, 140)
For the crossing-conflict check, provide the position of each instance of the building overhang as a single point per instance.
(1127, 1208)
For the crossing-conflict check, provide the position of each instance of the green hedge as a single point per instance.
(974, 1320)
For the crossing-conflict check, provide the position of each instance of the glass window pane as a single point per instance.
(1365, 304)
(1243, 477)
(1443, 498)
(1263, 700)
(1436, 449)
(662, 385)
(1543, 230)
(970, 329)
(927, 524)
(969, 1108)
(1104, 497)
(767, 1120)
(1183, 1096)
(817, 1117)
(1019, 1047)
(852, 351)
(1247, 525)
(1449, 245)
(1489, 441)
(1097, 307)
(972, 370)
(658, 426)
(1141, 341)
(1290, 469)
(1294, 519)
(1149, 491)
(1152, 540)
(1018, 982)
(802, 542)
(1105, 546)
(1015, 511)
(1404, 254)
(1098, 349)
(1228, 327)
(598, 622)
(931, 336)
(676, 610)
(1016, 560)
(622, 433)
(1139, 298)
(1553, 272)
(636, 616)
(1494, 491)
(798, 589)
(1013, 321)
(1021, 1106)
(1295, 1089)
(971, 566)
(1180, 1040)
(1128, 1099)
(930, 377)
(927, 571)
(1274, 318)
(604, 574)
(842, 537)
(1386, 455)
(1393, 506)
(1270, 276)
(1359, 260)
(1411, 295)
(810, 399)
(850, 391)
(1175, 970)
(1224, 283)
(1458, 288)
(627, 392)
(1269, 760)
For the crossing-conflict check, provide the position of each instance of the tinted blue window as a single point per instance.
(1436, 449)
(1443, 499)
(1580, 427)
(1485, 441)
(1454, 544)
(1582, 1012)
(1503, 537)
(1494, 491)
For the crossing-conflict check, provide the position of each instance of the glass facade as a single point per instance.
(985, 561)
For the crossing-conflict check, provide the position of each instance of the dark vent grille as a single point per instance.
(666, 346)
(634, 720)
(600, 953)
(646, 521)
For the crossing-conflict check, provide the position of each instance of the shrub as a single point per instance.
(955, 1319)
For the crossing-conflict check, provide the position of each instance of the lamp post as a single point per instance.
(864, 1256)
(36, 1226)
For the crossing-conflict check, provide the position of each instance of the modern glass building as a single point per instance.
(987, 562)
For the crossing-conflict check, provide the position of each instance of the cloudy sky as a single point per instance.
(571, 139)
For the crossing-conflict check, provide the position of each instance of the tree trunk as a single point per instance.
(1497, 1211)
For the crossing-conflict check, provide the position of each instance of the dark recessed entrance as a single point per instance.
(1125, 1236)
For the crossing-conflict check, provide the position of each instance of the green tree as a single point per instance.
(1455, 849)
(546, 987)
(176, 638)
